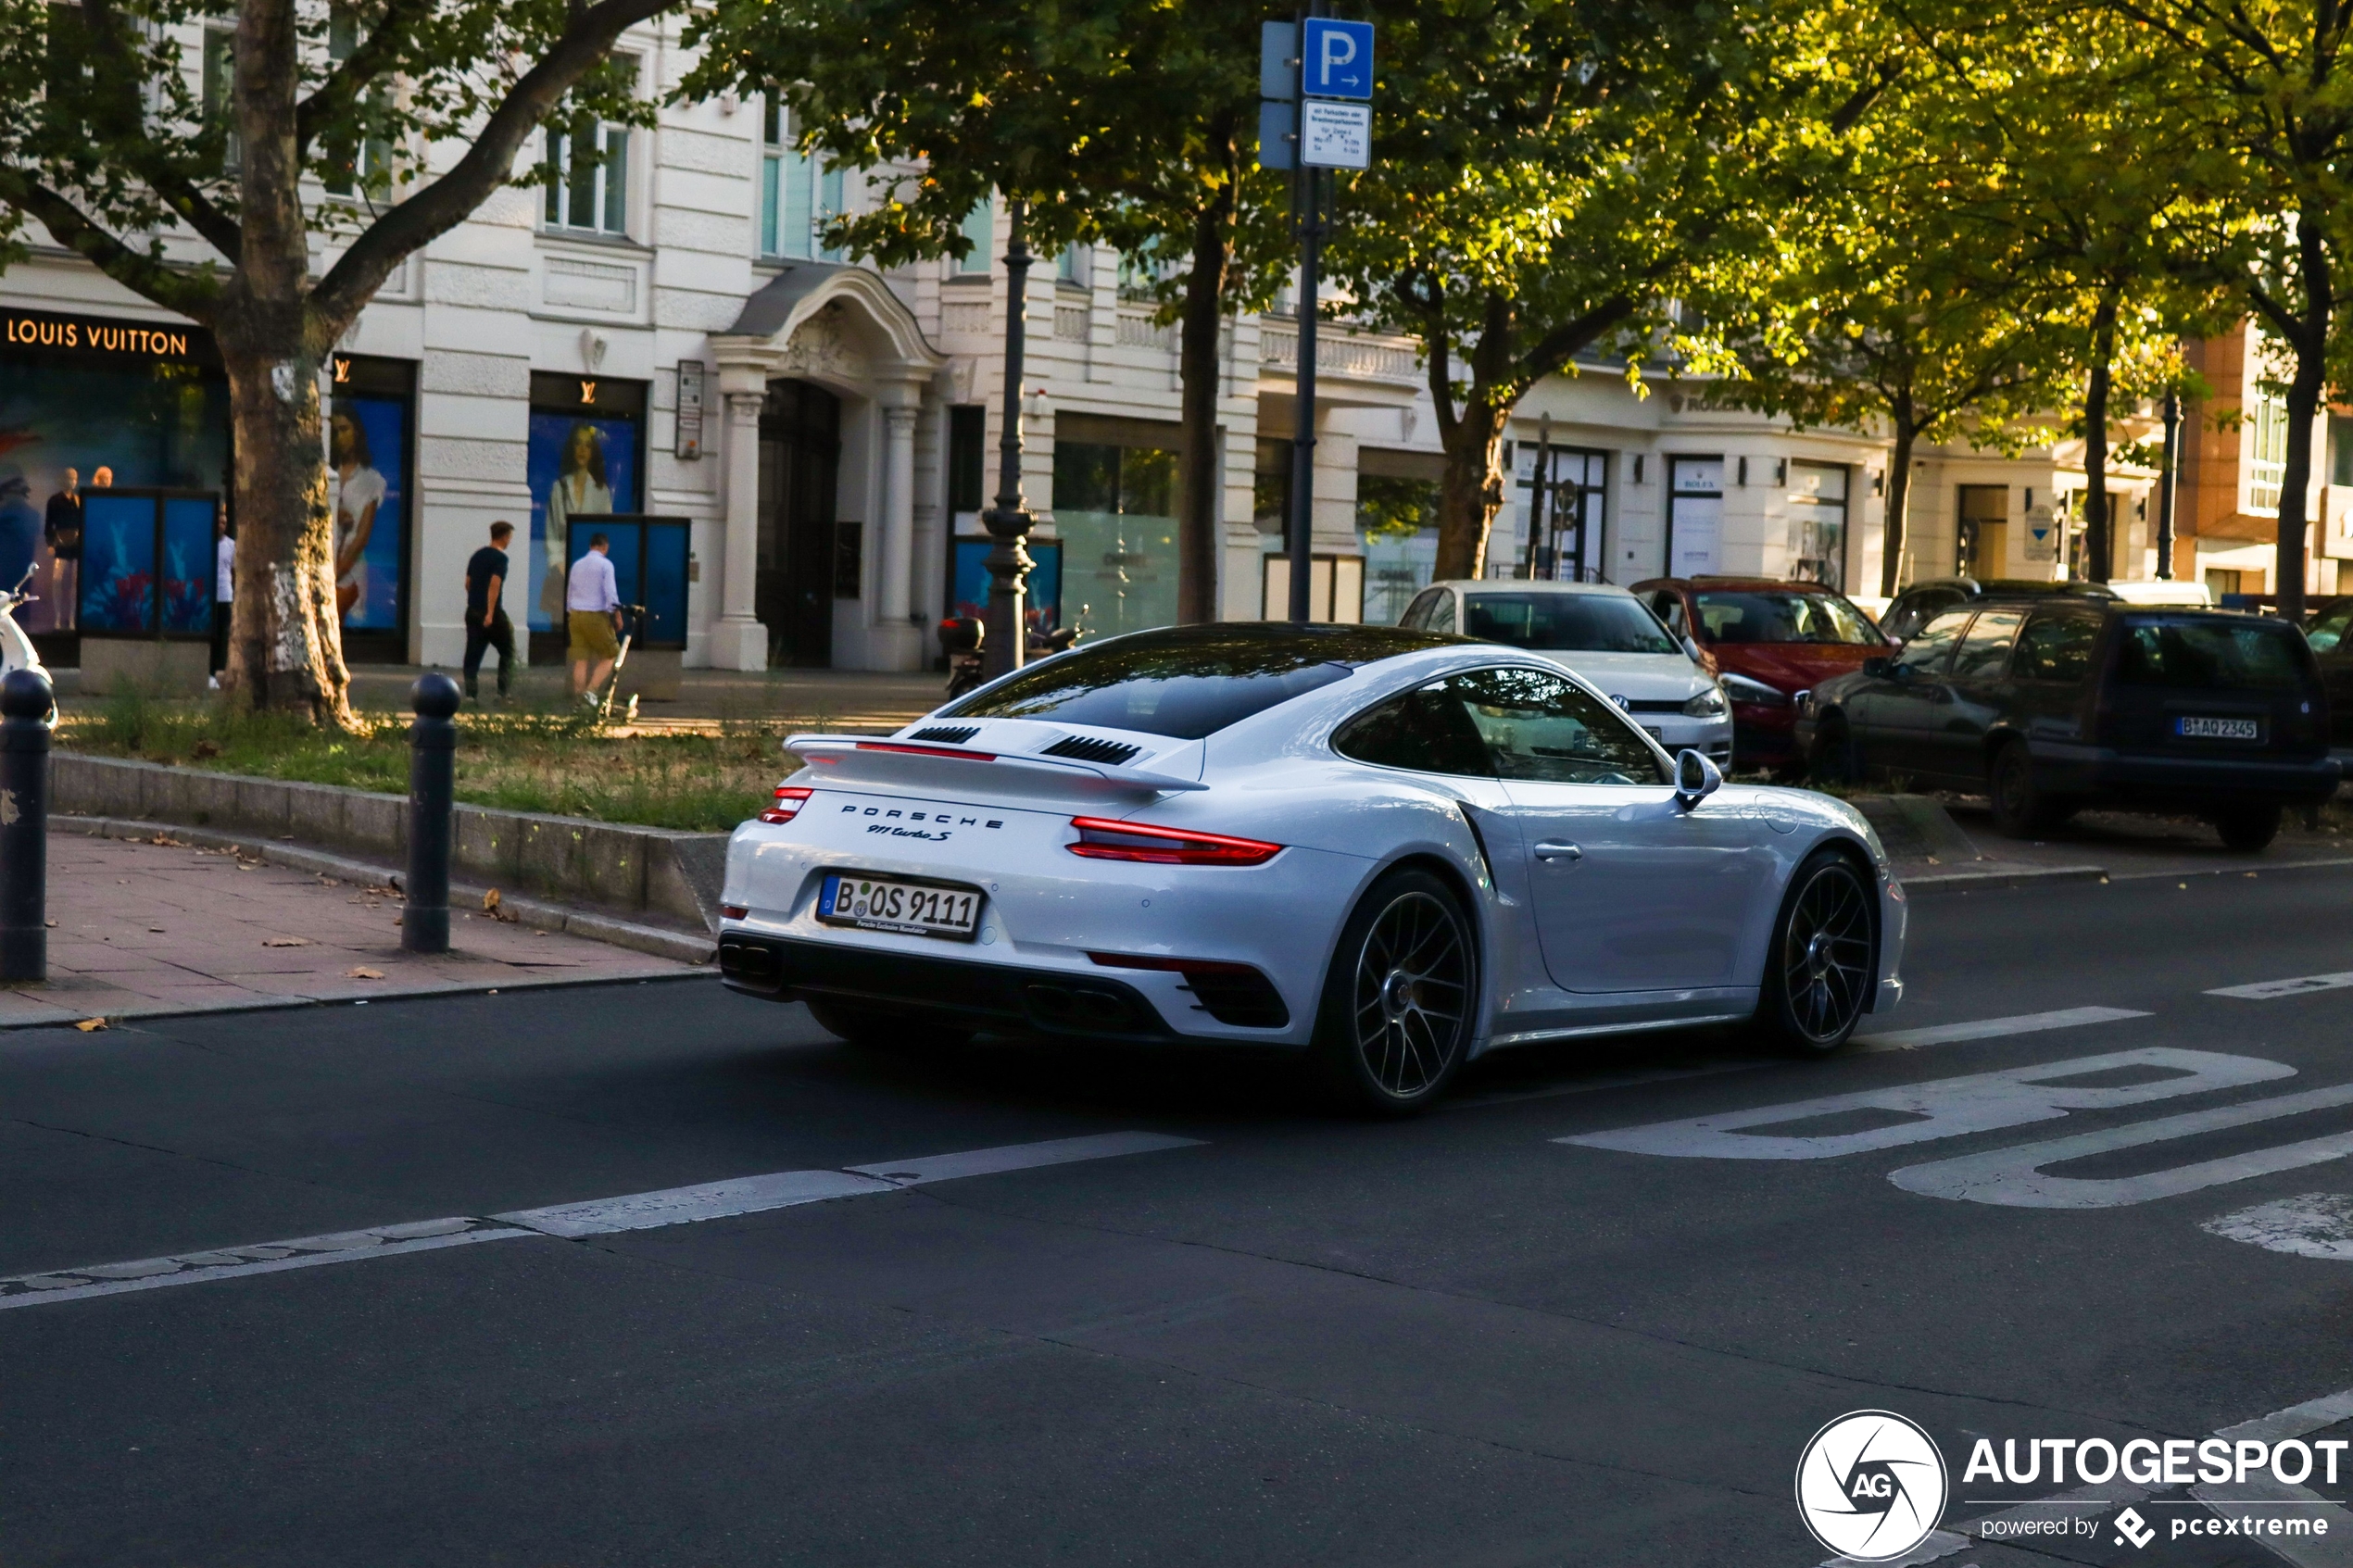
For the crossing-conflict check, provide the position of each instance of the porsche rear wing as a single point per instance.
(962, 771)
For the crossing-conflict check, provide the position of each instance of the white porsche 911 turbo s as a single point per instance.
(1390, 848)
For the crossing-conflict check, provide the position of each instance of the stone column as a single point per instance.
(738, 641)
(897, 561)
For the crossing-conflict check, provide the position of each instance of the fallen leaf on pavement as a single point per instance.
(364, 973)
(53, 925)
(285, 942)
(91, 1025)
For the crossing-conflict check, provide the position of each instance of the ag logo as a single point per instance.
(1871, 1485)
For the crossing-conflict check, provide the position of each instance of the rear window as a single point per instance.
(1764, 615)
(1566, 622)
(2210, 655)
(1187, 681)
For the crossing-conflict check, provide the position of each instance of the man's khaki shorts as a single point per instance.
(592, 634)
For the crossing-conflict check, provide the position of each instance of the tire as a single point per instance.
(1832, 759)
(880, 1029)
(2247, 830)
(1820, 969)
(1400, 999)
(2020, 809)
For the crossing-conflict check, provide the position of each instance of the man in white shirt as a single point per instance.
(592, 613)
(224, 592)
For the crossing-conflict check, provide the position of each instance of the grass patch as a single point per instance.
(551, 761)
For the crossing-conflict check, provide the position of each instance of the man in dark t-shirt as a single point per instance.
(486, 623)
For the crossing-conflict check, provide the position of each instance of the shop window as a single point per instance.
(2340, 450)
(967, 460)
(1980, 545)
(1817, 523)
(798, 195)
(1397, 521)
(588, 190)
(586, 458)
(1566, 543)
(1270, 486)
(1694, 516)
(1115, 512)
(370, 432)
(358, 166)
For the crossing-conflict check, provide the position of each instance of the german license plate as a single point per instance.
(885, 903)
(2196, 726)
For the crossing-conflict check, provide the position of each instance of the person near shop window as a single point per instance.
(359, 489)
(486, 623)
(592, 606)
(61, 528)
(581, 489)
(224, 592)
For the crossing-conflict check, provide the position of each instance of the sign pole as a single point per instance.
(1303, 459)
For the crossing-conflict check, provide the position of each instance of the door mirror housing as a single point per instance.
(1696, 778)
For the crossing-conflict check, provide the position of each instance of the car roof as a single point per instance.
(1525, 585)
(1711, 580)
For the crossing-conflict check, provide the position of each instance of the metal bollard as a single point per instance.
(25, 702)
(432, 784)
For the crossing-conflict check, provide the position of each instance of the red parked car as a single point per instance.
(1767, 642)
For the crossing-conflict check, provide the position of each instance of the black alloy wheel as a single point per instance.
(1399, 998)
(886, 1029)
(1820, 971)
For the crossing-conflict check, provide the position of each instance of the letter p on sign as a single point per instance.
(1337, 61)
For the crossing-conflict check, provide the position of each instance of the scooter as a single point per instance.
(961, 637)
(17, 651)
(632, 616)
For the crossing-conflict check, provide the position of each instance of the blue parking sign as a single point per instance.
(1335, 59)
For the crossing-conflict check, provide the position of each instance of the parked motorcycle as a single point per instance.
(17, 651)
(961, 637)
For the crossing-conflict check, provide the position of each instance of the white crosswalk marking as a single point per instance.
(2265, 990)
(1993, 1028)
(607, 1216)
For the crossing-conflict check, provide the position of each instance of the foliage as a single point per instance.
(557, 761)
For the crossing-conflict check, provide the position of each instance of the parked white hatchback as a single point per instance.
(1603, 633)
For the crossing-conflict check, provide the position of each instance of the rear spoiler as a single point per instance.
(961, 768)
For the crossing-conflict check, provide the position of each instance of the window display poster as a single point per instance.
(578, 464)
(153, 422)
(366, 489)
(1042, 595)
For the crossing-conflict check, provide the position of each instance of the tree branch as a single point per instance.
(192, 294)
(148, 155)
(443, 204)
(377, 54)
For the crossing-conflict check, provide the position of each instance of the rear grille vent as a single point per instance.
(1239, 995)
(948, 734)
(1087, 748)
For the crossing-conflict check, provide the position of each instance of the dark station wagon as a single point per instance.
(2052, 706)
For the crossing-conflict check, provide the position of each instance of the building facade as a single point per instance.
(661, 337)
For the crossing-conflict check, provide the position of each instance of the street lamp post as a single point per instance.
(2165, 485)
(1008, 521)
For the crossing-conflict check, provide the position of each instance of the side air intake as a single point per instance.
(1087, 748)
(947, 734)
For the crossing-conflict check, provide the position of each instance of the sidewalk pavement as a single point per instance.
(1949, 844)
(143, 929)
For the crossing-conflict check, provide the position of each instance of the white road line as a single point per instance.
(1018, 1157)
(2311, 1224)
(2264, 990)
(680, 1206)
(1993, 1028)
(633, 1211)
(2297, 1421)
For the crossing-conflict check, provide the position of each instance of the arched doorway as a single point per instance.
(800, 459)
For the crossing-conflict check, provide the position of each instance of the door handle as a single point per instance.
(1559, 850)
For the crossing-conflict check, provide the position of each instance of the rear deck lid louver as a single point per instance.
(947, 734)
(1087, 748)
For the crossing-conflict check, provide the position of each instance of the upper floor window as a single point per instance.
(798, 196)
(2266, 469)
(361, 165)
(1071, 266)
(589, 190)
(979, 228)
(220, 93)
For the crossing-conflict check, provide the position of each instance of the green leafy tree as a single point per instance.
(1127, 124)
(184, 175)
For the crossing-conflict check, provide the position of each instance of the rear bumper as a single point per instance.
(987, 996)
(2141, 778)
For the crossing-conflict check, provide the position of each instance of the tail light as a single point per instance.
(1101, 838)
(787, 806)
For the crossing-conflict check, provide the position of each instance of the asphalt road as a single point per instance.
(1288, 1340)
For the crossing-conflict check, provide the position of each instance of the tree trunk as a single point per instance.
(2099, 533)
(1200, 488)
(1471, 491)
(1896, 533)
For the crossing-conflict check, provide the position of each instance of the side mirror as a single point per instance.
(1878, 665)
(1695, 778)
(1692, 648)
